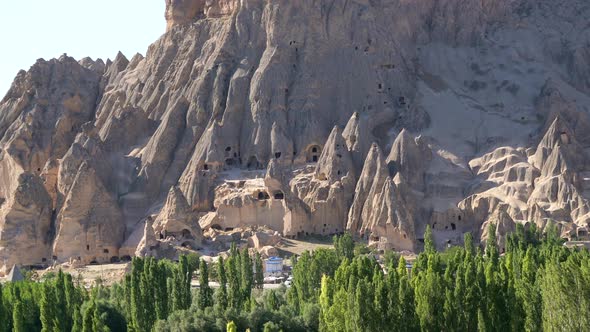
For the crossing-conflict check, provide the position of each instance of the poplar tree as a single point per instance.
(325, 300)
(528, 291)
(234, 279)
(247, 274)
(77, 321)
(3, 318)
(205, 292)
(61, 314)
(99, 323)
(47, 307)
(161, 290)
(221, 294)
(430, 294)
(18, 319)
(147, 293)
(259, 276)
(407, 313)
(429, 246)
(138, 318)
(73, 300)
(88, 316)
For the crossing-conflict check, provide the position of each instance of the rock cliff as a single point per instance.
(309, 117)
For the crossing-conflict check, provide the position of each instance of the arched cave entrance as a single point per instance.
(187, 234)
(253, 163)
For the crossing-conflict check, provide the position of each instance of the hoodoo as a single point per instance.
(304, 117)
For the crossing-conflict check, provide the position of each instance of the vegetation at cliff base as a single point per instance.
(535, 285)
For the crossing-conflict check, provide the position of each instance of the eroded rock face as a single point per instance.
(179, 12)
(177, 220)
(309, 117)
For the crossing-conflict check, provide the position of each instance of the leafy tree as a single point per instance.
(344, 246)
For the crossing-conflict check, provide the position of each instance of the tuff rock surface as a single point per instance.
(309, 117)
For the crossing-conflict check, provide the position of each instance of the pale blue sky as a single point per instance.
(32, 29)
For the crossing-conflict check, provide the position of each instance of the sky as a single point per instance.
(33, 29)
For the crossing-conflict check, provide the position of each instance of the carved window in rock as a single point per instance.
(313, 153)
(279, 195)
(262, 195)
(564, 138)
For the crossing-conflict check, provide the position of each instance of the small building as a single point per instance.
(273, 266)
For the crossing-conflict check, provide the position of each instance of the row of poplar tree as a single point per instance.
(150, 292)
(537, 284)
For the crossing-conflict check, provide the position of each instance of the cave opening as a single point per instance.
(253, 163)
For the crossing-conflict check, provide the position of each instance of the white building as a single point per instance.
(273, 266)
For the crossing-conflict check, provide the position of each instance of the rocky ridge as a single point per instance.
(309, 117)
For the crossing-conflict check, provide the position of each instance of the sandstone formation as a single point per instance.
(309, 117)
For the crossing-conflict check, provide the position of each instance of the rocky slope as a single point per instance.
(311, 116)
